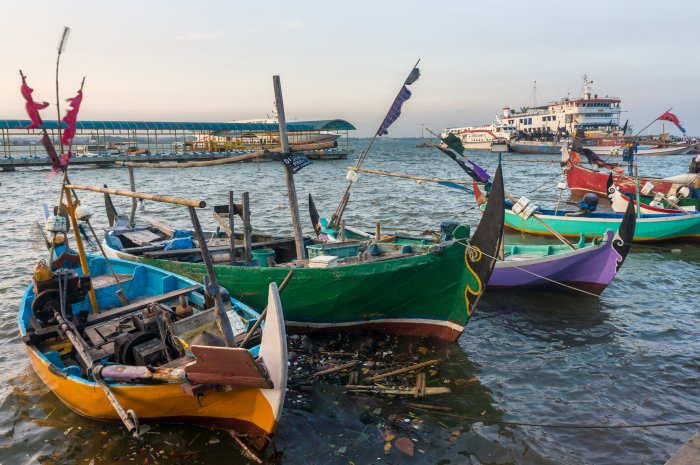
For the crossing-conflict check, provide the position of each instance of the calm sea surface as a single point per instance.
(630, 357)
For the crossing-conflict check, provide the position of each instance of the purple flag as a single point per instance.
(483, 175)
(394, 111)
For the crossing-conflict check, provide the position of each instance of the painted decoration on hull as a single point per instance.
(488, 236)
(624, 234)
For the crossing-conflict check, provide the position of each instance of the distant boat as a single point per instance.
(482, 137)
(535, 146)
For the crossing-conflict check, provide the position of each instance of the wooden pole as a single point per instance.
(378, 232)
(70, 207)
(139, 195)
(408, 176)
(291, 189)
(247, 228)
(134, 202)
(213, 288)
(263, 315)
(232, 241)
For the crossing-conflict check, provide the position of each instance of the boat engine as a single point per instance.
(589, 203)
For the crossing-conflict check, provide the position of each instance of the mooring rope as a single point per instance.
(531, 272)
(566, 425)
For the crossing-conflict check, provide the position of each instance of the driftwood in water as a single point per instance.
(417, 366)
(427, 407)
(396, 391)
(342, 367)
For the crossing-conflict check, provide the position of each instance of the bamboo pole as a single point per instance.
(132, 186)
(263, 315)
(407, 176)
(138, 195)
(213, 288)
(247, 228)
(342, 367)
(70, 207)
(289, 176)
(232, 241)
(417, 366)
(338, 213)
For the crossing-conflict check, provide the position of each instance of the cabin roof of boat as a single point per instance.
(321, 125)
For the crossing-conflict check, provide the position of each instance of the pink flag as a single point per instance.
(71, 118)
(31, 106)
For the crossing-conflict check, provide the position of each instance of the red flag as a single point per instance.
(668, 116)
(71, 118)
(31, 106)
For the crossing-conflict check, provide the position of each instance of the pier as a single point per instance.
(104, 143)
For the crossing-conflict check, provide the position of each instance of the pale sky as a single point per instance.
(214, 60)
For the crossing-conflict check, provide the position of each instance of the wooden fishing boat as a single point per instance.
(587, 266)
(423, 291)
(648, 228)
(120, 340)
(620, 201)
(536, 146)
(582, 179)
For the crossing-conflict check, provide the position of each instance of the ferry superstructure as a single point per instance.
(590, 112)
(482, 137)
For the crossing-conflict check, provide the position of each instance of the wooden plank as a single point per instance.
(225, 248)
(115, 312)
(226, 365)
(247, 227)
(689, 454)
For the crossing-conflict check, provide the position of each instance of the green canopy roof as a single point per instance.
(323, 125)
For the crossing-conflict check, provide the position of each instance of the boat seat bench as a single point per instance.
(132, 307)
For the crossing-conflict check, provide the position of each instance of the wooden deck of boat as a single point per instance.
(689, 454)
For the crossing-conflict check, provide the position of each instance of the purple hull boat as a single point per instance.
(591, 267)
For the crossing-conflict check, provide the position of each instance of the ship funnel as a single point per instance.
(506, 112)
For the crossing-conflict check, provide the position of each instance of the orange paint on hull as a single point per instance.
(245, 410)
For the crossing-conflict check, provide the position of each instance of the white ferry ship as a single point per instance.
(589, 112)
(483, 137)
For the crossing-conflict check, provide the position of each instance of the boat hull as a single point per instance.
(242, 409)
(648, 228)
(421, 295)
(530, 147)
(580, 179)
(617, 150)
(589, 269)
(250, 410)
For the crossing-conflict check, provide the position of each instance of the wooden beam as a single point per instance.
(138, 195)
(132, 307)
(289, 176)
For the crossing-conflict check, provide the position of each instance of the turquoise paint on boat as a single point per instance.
(649, 227)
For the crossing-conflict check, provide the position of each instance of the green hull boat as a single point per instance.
(388, 287)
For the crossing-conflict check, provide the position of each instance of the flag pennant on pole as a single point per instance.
(454, 143)
(668, 116)
(413, 77)
(472, 174)
(483, 175)
(31, 106)
(71, 118)
(395, 110)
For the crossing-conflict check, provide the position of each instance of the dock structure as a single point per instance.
(689, 454)
(103, 143)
